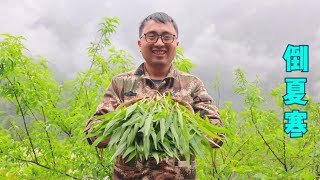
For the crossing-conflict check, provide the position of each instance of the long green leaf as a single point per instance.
(148, 124)
(156, 156)
(115, 138)
(131, 156)
(132, 134)
(128, 151)
(130, 109)
(119, 151)
(155, 141)
(98, 140)
(125, 135)
(162, 129)
(175, 135)
(134, 119)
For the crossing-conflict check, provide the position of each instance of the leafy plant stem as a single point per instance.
(264, 140)
(24, 122)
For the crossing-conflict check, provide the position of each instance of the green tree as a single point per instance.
(257, 146)
(44, 137)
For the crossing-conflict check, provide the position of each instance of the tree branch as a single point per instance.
(284, 146)
(269, 147)
(46, 167)
(43, 114)
(24, 120)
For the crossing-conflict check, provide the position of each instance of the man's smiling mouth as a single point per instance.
(159, 52)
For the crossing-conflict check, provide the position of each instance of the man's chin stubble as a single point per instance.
(158, 64)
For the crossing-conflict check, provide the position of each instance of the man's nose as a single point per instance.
(159, 42)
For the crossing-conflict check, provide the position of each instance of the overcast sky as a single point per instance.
(218, 36)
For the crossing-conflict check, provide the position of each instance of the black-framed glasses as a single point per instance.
(152, 37)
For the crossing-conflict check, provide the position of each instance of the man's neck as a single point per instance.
(157, 72)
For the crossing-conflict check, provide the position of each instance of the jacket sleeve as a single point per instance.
(110, 102)
(202, 102)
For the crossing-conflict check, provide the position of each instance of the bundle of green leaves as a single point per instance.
(155, 127)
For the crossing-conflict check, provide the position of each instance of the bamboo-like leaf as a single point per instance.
(195, 146)
(169, 120)
(94, 133)
(132, 134)
(119, 114)
(131, 156)
(185, 150)
(174, 133)
(134, 119)
(130, 109)
(125, 135)
(148, 124)
(213, 128)
(110, 127)
(128, 151)
(156, 156)
(208, 132)
(144, 117)
(180, 119)
(115, 138)
(162, 128)
(119, 151)
(155, 141)
(98, 140)
(146, 146)
(167, 147)
(107, 116)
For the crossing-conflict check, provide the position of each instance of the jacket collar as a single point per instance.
(141, 71)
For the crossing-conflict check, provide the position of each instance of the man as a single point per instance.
(158, 41)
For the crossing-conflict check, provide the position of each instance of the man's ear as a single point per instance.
(139, 44)
(177, 42)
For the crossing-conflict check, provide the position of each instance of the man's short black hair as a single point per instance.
(159, 17)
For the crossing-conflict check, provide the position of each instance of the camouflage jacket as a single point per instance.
(137, 83)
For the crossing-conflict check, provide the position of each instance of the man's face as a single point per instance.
(158, 53)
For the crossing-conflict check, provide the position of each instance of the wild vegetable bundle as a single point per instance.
(157, 127)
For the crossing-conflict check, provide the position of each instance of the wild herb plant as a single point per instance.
(155, 127)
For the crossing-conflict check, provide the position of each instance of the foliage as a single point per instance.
(167, 129)
(42, 138)
(257, 146)
(45, 136)
(181, 62)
